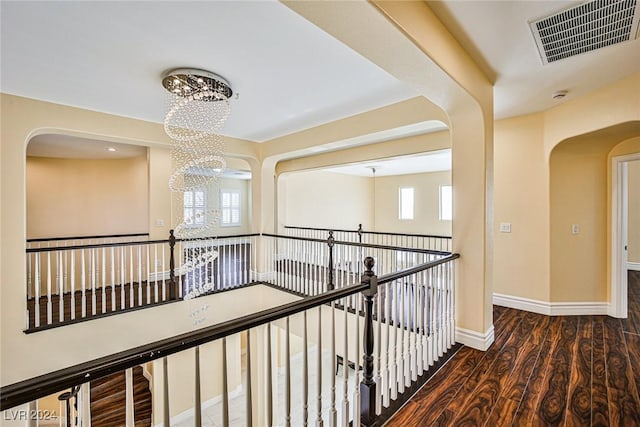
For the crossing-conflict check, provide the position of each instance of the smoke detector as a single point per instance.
(586, 27)
(559, 94)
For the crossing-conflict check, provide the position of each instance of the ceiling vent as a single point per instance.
(586, 27)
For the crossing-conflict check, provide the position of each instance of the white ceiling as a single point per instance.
(290, 75)
(71, 147)
(497, 35)
(434, 161)
(109, 57)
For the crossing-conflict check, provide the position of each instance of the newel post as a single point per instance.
(368, 385)
(173, 294)
(330, 243)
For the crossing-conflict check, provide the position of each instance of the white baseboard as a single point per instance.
(551, 308)
(475, 339)
(633, 266)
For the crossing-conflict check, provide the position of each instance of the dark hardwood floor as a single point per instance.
(540, 371)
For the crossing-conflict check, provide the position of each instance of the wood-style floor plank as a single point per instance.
(540, 371)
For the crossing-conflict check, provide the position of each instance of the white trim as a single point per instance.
(190, 413)
(475, 339)
(633, 266)
(551, 308)
(618, 286)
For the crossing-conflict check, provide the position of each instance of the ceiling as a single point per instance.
(497, 35)
(434, 161)
(289, 75)
(110, 56)
(71, 147)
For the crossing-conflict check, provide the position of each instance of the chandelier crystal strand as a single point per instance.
(198, 105)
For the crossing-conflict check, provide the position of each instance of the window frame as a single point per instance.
(401, 211)
(193, 206)
(231, 208)
(441, 211)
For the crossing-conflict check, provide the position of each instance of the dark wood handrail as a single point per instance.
(133, 243)
(103, 236)
(386, 233)
(363, 245)
(44, 385)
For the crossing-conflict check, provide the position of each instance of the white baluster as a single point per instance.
(287, 375)
(139, 276)
(131, 291)
(129, 405)
(249, 404)
(356, 364)
(305, 372)
(393, 378)
(49, 304)
(166, 413)
(333, 413)
(386, 378)
(104, 280)
(345, 366)
(197, 399)
(378, 351)
(73, 285)
(156, 295)
(225, 385)
(148, 275)
(320, 421)
(164, 281)
(84, 283)
(37, 288)
(113, 278)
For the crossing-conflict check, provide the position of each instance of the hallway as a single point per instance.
(573, 370)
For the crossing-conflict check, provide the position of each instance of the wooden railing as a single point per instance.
(405, 326)
(71, 283)
(359, 235)
(49, 242)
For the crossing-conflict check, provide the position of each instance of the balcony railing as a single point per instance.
(349, 354)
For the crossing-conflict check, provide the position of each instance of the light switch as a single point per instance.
(575, 229)
(505, 227)
(159, 222)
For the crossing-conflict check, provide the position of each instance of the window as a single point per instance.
(405, 203)
(230, 206)
(194, 208)
(446, 203)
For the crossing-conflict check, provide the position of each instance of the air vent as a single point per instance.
(586, 27)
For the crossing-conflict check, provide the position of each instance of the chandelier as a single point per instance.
(198, 105)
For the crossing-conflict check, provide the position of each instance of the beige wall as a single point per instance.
(325, 200)
(427, 204)
(84, 197)
(542, 192)
(633, 235)
(521, 199)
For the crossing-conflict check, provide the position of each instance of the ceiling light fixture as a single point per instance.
(111, 149)
(198, 105)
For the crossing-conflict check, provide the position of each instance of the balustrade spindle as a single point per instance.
(320, 422)
(386, 379)
(197, 404)
(356, 364)
(345, 365)
(287, 375)
(148, 275)
(129, 403)
(83, 283)
(333, 413)
(60, 282)
(103, 272)
(393, 378)
(113, 278)
(73, 285)
(164, 281)
(305, 372)
(378, 348)
(92, 272)
(37, 290)
(131, 290)
(225, 384)
(166, 413)
(49, 304)
(269, 394)
(156, 296)
(249, 403)
(140, 276)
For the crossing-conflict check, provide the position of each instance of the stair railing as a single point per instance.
(292, 353)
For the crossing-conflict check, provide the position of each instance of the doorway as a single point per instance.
(623, 249)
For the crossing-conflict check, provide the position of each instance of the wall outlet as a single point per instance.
(575, 229)
(505, 227)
